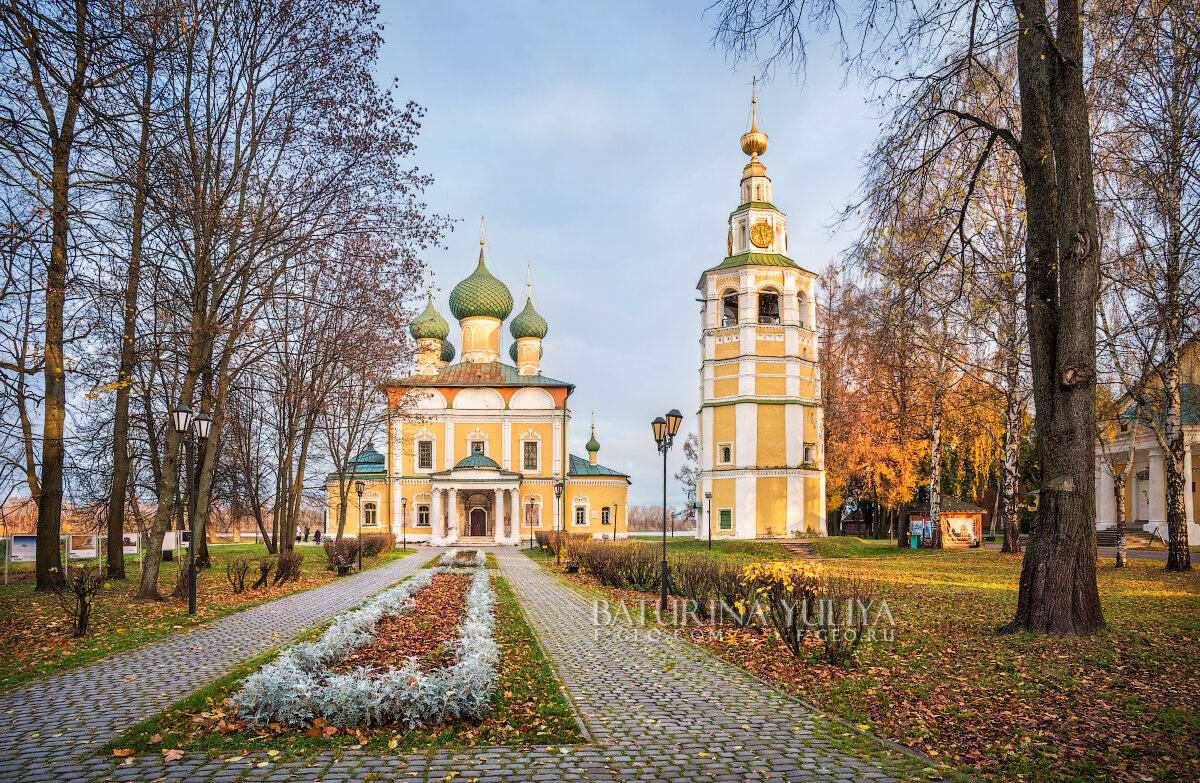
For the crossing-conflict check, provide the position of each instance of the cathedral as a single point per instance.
(477, 450)
(762, 469)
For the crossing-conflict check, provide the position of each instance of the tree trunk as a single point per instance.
(1119, 483)
(935, 472)
(1058, 594)
(1009, 504)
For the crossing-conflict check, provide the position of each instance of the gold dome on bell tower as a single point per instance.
(754, 141)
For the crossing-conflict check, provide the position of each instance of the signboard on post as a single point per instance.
(130, 543)
(23, 549)
(171, 540)
(82, 547)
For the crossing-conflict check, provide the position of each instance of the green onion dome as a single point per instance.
(481, 295)
(447, 351)
(512, 352)
(429, 325)
(528, 323)
(593, 445)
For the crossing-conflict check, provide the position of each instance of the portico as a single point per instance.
(1146, 488)
(476, 499)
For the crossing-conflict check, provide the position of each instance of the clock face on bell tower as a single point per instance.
(761, 234)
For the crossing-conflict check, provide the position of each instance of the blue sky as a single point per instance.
(601, 142)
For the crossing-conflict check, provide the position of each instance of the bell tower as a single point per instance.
(761, 426)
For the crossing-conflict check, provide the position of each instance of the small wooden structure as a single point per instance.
(961, 523)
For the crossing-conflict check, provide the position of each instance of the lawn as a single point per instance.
(528, 708)
(1121, 705)
(37, 639)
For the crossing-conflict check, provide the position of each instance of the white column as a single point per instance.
(498, 523)
(1187, 483)
(1106, 512)
(1158, 489)
(435, 522)
(452, 521)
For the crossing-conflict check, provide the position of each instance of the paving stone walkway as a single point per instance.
(655, 707)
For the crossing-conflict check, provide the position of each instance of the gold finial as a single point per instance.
(528, 279)
(593, 424)
(481, 230)
(754, 143)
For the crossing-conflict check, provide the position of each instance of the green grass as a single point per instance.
(37, 640)
(849, 546)
(528, 707)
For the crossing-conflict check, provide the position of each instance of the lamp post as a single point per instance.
(359, 486)
(664, 435)
(403, 525)
(559, 486)
(616, 516)
(708, 504)
(529, 521)
(194, 432)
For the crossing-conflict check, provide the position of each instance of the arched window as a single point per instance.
(370, 515)
(729, 309)
(605, 517)
(802, 302)
(758, 192)
(768, 306)
(422, 515)
(742, 245)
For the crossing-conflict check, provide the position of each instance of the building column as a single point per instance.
(452, 517)
(1106, 513)
(435, 522)
(1157, 491)
(498, 523)
(1187, 483)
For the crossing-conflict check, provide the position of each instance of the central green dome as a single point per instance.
(447, 351)
(481, 295)
(528, 323)
(429, 325)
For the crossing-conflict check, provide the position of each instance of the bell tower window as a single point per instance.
(768, 306)
(802, 303)
(729, 309)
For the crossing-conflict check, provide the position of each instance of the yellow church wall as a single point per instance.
(410, 492)
(812, 505)
(770, 347)
(723, 370)
(493, 431)
(771, 502)
(725, 387)
(727, 349)
(545, 431)
(770, 387)
(807, 389)
(598, 497)
(375, 491)
(724, 428)
(772, 448)
(407, 446)
(722, 497)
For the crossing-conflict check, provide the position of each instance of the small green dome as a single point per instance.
(477, 461)
(593, 445)
(429, 325)
(481, 295)
(447, 351)
(528, 323)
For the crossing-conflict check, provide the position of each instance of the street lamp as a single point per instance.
(664, 436)
(529, 520)
(194, 432)
(559, 486)
(181, 419)
(403, 525)
(359, 486)
(616, 517)
(708, 503)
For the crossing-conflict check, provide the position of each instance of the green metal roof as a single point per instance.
(756, 205)
(477, 461)
(447, 351)
(528, 323)
(429, 324)
(481, 374)
(581, 467)
(481, 294)
(756, 259)
(370, 463)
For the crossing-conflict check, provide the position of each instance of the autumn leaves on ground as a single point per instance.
(38, 639)
(1121, 705)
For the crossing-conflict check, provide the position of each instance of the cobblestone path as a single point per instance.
(656, 708)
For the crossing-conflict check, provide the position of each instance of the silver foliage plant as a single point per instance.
(449, 560)
(298, 685)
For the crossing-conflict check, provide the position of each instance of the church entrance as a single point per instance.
(478, 522)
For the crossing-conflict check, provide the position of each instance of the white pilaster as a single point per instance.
(448, 446)
(795, 496)
(1105, 507)
(822, 527)
(746, 425)
(435, 523)
(1158, 488)
(498, 522)
(506, 443)
(452, 520)
(745, 512)
(558, 456)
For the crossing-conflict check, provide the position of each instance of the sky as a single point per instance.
(600, 142)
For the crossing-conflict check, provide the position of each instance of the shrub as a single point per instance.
(375, 543)
(236, 572)
(731, 592)
(343, 551)
(76, 593)
(287, 567)
(790, 590)
(265, 566)
(842, 618)
(695, 577)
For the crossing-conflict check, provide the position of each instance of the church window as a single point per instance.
(370, 515)
(529, 459)
(725, 519)
(477, 447)
(808, 453)
(422, 516)
(802, 303)
(742, 245)
(758, 192)
(580, 515)
(729, 309)
(725, 454)
(425, 455)
(605, 516)
(768, 306)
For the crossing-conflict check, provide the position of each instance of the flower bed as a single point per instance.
(466, 558)
(300, 684)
